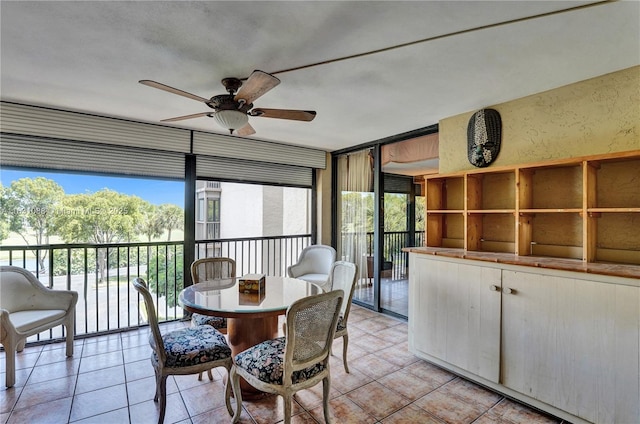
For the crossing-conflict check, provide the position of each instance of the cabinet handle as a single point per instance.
(493, 287)
(509, 291)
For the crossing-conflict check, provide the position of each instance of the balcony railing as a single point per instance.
(263, 255)
(101, 275)
(393, 242)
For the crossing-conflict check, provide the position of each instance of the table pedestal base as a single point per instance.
(244, 333)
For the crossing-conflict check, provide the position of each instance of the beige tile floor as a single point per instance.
(110, 380)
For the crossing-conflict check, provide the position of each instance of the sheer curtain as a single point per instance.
(355, 208)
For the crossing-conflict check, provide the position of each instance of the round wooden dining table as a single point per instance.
(251, 317)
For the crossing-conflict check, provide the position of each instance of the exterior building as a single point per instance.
(233, 210)
(207, 210)
(253, 211)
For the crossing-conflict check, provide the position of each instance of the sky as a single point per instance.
(155, 191)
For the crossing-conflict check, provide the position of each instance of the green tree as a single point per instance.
(30, 207)
(105, 216)
(77, 261)
(4, 229)
(357, 212)
(4, 218)
(171, 218)
(395, 212)
(150, 223)
(165, 272)
(420, 212)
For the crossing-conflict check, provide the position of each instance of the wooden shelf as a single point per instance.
(585, 209)
(445, 211)
(475, 211)
(613, 210)
(534, 211)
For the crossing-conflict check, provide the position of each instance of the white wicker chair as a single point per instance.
(26, 308)
(185, 351)
(343, 277)
(298, 361)
(314, 264)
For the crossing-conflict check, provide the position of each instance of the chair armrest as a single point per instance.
(291, 271)
(67, 298)
(59, 299)
(6, 326)
(296, 270)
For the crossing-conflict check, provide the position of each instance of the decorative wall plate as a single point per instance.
(484, 134)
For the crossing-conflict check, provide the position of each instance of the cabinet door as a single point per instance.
(455, 314)
(573, 344)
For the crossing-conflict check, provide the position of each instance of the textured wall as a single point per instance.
(596, 116)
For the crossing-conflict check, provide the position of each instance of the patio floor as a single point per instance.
(110, 380)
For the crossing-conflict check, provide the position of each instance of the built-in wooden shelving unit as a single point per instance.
(585, 209)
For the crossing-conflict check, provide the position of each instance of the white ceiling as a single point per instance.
(89, 56)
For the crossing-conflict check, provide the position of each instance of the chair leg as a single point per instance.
(227, 392)
(345, 343)
(20, 345)
(235, 384)
(287, 409)
(162, 388)
(155, 398)
(10, 354)
(208, 374)
(69, 329)
(326, 386)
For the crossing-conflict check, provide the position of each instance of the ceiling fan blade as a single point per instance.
(296, 115)
(172, 90)
(182, 118)
(257, 84)
(246, 130)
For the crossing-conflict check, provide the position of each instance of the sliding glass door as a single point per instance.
(355, 218)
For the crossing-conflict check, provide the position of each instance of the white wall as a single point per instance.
(241, 210)
(296, 213)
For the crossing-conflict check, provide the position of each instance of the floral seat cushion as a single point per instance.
(193, 346)
(264, 361)
(215, 322)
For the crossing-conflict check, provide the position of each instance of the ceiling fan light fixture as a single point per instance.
(231, 119)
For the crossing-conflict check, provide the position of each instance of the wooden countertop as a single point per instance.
(616, 270)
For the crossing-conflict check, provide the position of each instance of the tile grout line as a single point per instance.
(75, 387)
(124, 371)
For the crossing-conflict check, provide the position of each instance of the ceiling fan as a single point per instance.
(232, 110)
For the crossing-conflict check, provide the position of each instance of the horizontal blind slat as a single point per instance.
(263, 151)
(22, 151)
(52, 123)
(227, 169)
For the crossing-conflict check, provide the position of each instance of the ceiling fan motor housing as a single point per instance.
(227, 102)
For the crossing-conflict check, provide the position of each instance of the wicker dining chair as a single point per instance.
(188, 350)
(207, 269)
(298, 361)
(343, 276)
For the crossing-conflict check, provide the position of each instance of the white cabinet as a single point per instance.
(565, 342)
(573, 343)
(456, 310)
